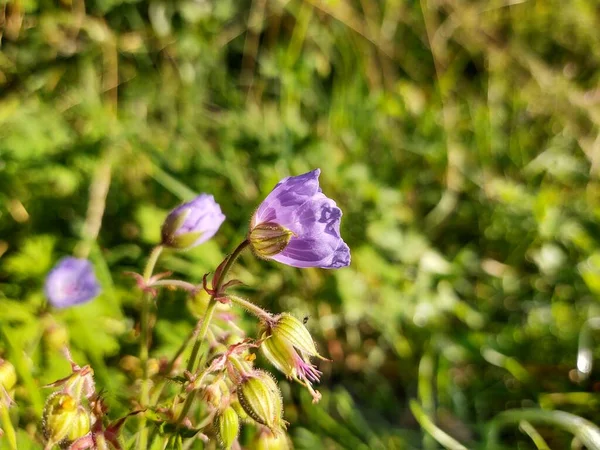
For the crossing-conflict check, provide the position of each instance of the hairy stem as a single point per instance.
(144, 343)
(202, 327)
(250, 307)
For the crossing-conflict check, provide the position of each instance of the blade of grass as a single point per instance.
(438, 434)
(584, 430)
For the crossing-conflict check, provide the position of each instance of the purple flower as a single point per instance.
(192, 223)
(71, 282)
(299, 226)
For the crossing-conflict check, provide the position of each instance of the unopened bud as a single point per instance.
(265, 440)
(235, 404)
(228, 427)
(80, 426)
(64, 419)
(192, 223)
(8, 375)
(269, 239)
(260, 397)
(287, 344)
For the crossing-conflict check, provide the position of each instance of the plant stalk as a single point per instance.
(202, 327)
(144, 343)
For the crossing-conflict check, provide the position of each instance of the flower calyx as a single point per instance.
(80, 383)
(268, 239)
(261, 399)
(288, 345)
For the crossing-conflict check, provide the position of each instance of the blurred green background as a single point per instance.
(460, 138)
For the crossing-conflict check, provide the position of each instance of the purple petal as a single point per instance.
(204, 216)
(298, 204)
(289, 194)
(72, 281)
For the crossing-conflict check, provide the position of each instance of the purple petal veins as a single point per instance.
(298, 204)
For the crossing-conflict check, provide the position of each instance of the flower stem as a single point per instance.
(144, 342)
(152, 259)
(8, 428)
(202, 327)
(250, 307)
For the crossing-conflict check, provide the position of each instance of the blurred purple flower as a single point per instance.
(298, 207)
(71, 282)
(192, 223)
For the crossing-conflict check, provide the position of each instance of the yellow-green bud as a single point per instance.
(269, 239)
(292, 330)
(80, 426)
(266, 440)
(227, 424)
(280, 354)
(64, 419)
(260, 397)
(8, 375)
(235, 404)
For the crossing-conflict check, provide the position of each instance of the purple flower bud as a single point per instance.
(71, 282)
(192, 223)
(297, 204)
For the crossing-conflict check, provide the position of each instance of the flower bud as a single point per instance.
(235, 404)
(281, 355)
(64, 420)
(227, 424)
(260, 397)
(290, 329)
(80, 426)
(287, 344)
(192, 223)
(265, 440)
(269, 239)
(8, 375)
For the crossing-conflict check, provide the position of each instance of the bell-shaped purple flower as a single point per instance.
(192, 223)
(299, 226)
(71, 282)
